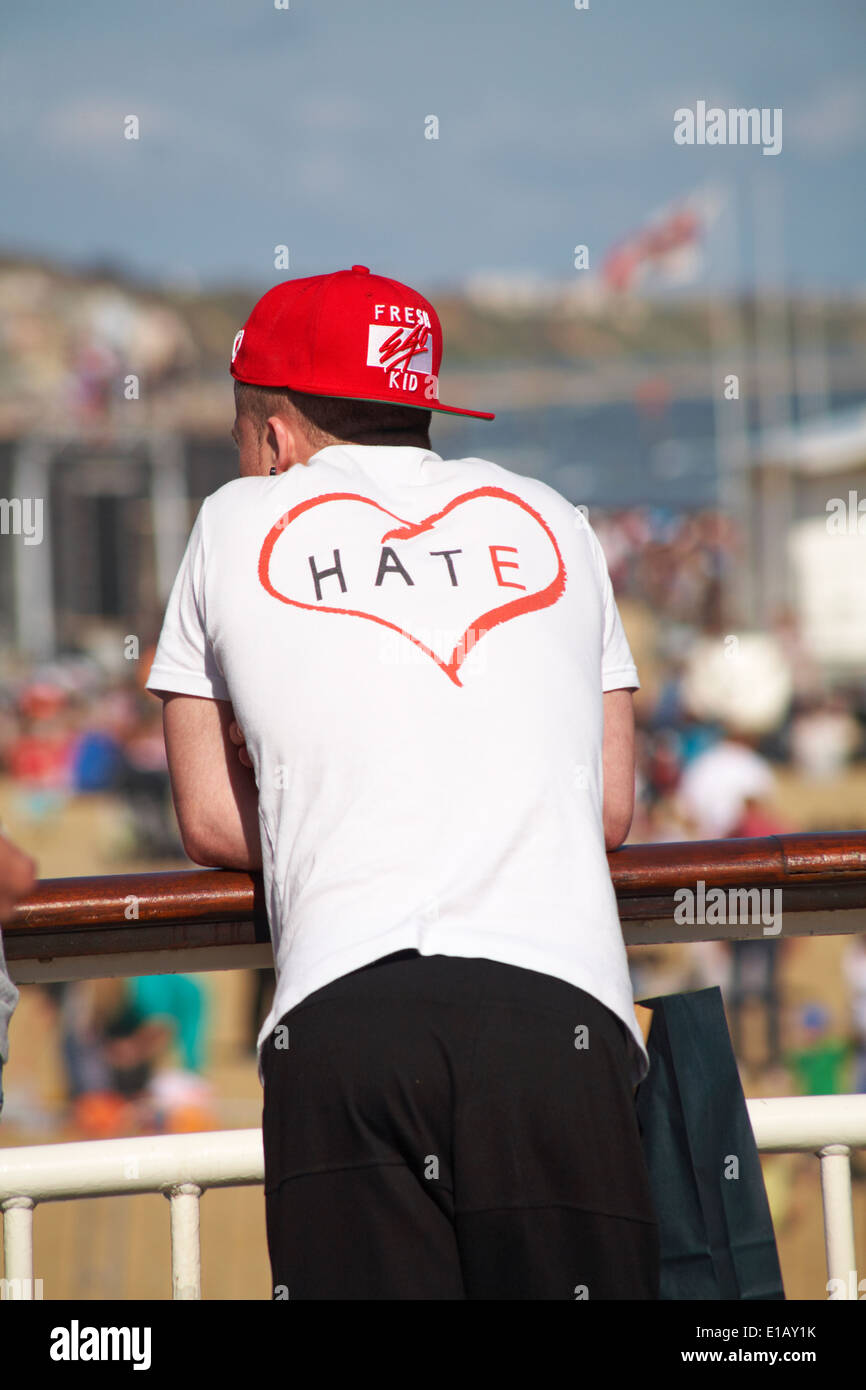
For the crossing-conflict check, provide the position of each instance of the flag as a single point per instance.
(669, 246)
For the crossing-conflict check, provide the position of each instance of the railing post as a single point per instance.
(838, 1216)
(185, 1240)
(18, 1246)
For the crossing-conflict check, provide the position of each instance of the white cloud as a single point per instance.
(96, 126)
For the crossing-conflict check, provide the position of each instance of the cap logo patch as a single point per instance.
(396, 348)
(236, 345)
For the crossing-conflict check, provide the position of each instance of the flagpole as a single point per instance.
(731, 434)
(811, 375)
(774, 398)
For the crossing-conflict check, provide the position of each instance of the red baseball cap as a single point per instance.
(349, 334)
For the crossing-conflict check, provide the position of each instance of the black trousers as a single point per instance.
(446, 1128)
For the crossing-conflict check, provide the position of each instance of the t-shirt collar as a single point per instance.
(366, 453)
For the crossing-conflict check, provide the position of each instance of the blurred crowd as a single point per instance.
(68, 729)
(132, 1051)
(724, 715)
(679, 563)
(133, 1054)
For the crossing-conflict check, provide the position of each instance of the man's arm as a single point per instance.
(215, 797)
(17, 876)
(618, 765)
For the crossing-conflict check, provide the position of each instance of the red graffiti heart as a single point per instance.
(407, 530)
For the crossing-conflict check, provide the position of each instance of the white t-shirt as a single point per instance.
(418, 787)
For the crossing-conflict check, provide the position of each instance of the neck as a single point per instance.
(398, 439)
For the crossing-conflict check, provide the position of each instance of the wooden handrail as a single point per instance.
(103, 900)
(196, 908)
(652, 870)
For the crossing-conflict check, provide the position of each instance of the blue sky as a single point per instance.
(306, 127)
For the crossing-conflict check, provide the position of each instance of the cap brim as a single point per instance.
(458, 410)
(375, 400)
(410, 405)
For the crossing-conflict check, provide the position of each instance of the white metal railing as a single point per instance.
(183, 1166)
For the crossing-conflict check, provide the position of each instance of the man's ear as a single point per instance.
(283, 442)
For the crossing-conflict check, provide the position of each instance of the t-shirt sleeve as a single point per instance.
(618, 670)
(184, 661)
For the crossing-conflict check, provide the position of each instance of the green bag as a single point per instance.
(716, 1232)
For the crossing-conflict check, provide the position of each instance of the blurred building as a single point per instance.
(808, 507)
(117, 507)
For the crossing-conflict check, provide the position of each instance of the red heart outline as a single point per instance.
(407, 530)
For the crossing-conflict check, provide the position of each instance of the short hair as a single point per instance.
(336, 419)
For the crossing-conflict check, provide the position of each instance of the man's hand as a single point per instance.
(17, 876)
(240, 743)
